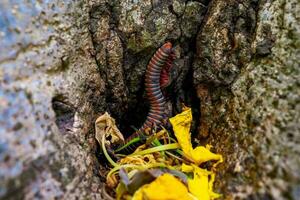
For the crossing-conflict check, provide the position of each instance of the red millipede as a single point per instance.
(156, 78)
(161, 60)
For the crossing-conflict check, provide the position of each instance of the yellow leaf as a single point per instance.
(165, 187)
(181, 125)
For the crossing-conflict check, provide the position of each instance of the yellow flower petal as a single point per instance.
(187, 168)
(201, 185)
(165, 187)
(181, 125)
(202, 154)
(198, 186)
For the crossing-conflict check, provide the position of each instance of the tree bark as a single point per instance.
(64, 63)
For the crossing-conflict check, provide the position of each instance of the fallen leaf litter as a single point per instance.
(164, 168)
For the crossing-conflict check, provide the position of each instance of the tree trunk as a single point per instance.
(65, 63)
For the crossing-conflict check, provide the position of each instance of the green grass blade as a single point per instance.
(134, 140)
(113, 163)
(158, 148)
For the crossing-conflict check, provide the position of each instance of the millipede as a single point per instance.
(157, 77)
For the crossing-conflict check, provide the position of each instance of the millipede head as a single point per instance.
(167, 47)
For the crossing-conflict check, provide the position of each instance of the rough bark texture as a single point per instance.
(64, 63)
(247, 77)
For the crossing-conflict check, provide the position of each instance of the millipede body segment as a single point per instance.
(156, 78)
(153, 85)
